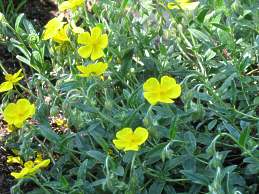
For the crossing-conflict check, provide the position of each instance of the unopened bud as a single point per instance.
(2, 18)
(236, 5)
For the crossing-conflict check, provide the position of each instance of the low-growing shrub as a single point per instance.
(133, 96)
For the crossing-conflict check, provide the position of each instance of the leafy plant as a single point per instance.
(204, 142)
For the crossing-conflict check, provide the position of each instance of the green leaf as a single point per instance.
(232, 130)
(99, 156)
(18, 21)
(81, 174)
(190, 140)
(221, 26)
(195, 177)
(156, 188)
(173, 128)
(209, 54)
(199, 35)
(212, 124)
(244, 136)
(202, 14)
(49, 134)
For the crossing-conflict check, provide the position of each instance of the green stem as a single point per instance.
(132, 164)
(46, 149)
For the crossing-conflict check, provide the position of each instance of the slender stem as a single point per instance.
(47, 150)
(132, 164)
(246, 115)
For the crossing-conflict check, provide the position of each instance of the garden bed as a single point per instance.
(151, 97)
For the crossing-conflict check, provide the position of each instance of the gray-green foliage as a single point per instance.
(206, 142)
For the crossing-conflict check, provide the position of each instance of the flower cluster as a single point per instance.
(30, 167)
(91, 47)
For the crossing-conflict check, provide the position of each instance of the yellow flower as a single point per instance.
(10, 80)
(92, 69)
(70, 4)
(61, 36)
(52, 28)
(26, 171)
(184, 4)
(129, 140)
(30, 168)
(94, 43)
(164, 92)
(17, 114)
(60, 122)
(14, 160)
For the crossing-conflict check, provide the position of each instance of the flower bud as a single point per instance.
(236, 5)
(1, 16)
(33, 39)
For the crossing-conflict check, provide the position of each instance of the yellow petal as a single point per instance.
(174, 92)
(151, 85)
(165, 99)
(28, 164)
(119, 144)
(15, 77)
(6, 86)
(8, 113)
(167, 82)
(103, 41)
(124, 133)
(17, 73)
(64, 6)
(97, 53)
(101, 68)
(152, 97)
(52, 28)
(96, 33)
(131, 147)
(24, 106)
(43, 164)
(85, 51)
(14, 160)
(185, 5)
(17, 175)
(18, 124)
(61, 36)
(190, 6)
(140, 135)
(169, 88)
(77, 2)
(84, 38)
(84, 70)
